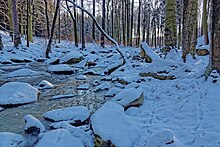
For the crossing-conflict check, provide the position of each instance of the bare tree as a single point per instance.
(1, 44)
(52, 29)
(103, 24)
(82, 28)
(47, 19)
(17, 37)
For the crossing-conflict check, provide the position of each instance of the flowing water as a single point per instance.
(11, 119)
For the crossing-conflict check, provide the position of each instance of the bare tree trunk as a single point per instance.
(139, 24)
(112, 18)
(132, 18)
(215, 35)
(123, 21)
(103, 24)
(59, 31)
(189, 33)
(17, 37)
(93, 24)
(52, 29)
(22, 19)
(1, 44)
(205, 23)
(30, 30)
(28, 13)
(10, 19)
(47, 19)
(170, 25)
(128, 20)
(73, 17)
(82, 28)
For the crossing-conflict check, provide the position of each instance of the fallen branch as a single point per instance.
(110, 70)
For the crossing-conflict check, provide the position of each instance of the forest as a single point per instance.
(109, 73)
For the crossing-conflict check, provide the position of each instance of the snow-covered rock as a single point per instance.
(129, 97)
(33, 125)
(148, 53)
(113, 91)
(95, 82)
(23, 72)
(63, 96)
(71, 57)
(59, 138)
(4, 60)
(1, 109)
(83, 134)
(17, 93)
(103, 86)
(45, 85)
(81, 77)
(85, 86)
(8, 139)
(61, 69)
(75, 115)
(90, 72)
(111, 124)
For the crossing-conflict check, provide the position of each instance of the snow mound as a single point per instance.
(61, 69)
(59, 138)
(128, 96)
(32, 124)
(71, 57)
(81, 77)
(83, 87)
(111, 123)
(8, 139)
(45, 85)
(80, 133)
(103, 86)
(17, 93)
(4, 60)
(163, 138)
(74, 115)
(113, 91)
(23, 73)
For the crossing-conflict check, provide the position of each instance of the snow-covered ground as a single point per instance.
(180, 107)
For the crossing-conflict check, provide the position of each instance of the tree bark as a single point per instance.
(1, 44)
(123, 21)
(82, 28)
(30, 30)
(132, 18)
(128, 20)
(17, 37)
(205, 23)
(189, 33)
(27, 37)
(139, 24)
(52, 29)
(170, 25)
(93, 23)
(10, 18)
(47, 19)
(103, 24)
(215, 36)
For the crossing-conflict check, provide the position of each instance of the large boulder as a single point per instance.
(77, 115)
(72, 57)
(113, 126)
(129, 97)
(59, 138)
(17, 93)
(33, 125)
(61, 69)
(8, 139)
(23, 73)
(147, 53)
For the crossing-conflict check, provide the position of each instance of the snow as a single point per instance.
(73, 55)
(23, 73)
(81, 77)
(8, 139)
(13, 93)
(127, 96)
(149, 51)
(80, 133)
(113, 91)
(83, 87)
(63, 96)
(33, 123)
(61, 69)
(45, 85)
(111, 123)
(71, 114)
(59, 138)
(103, 86)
